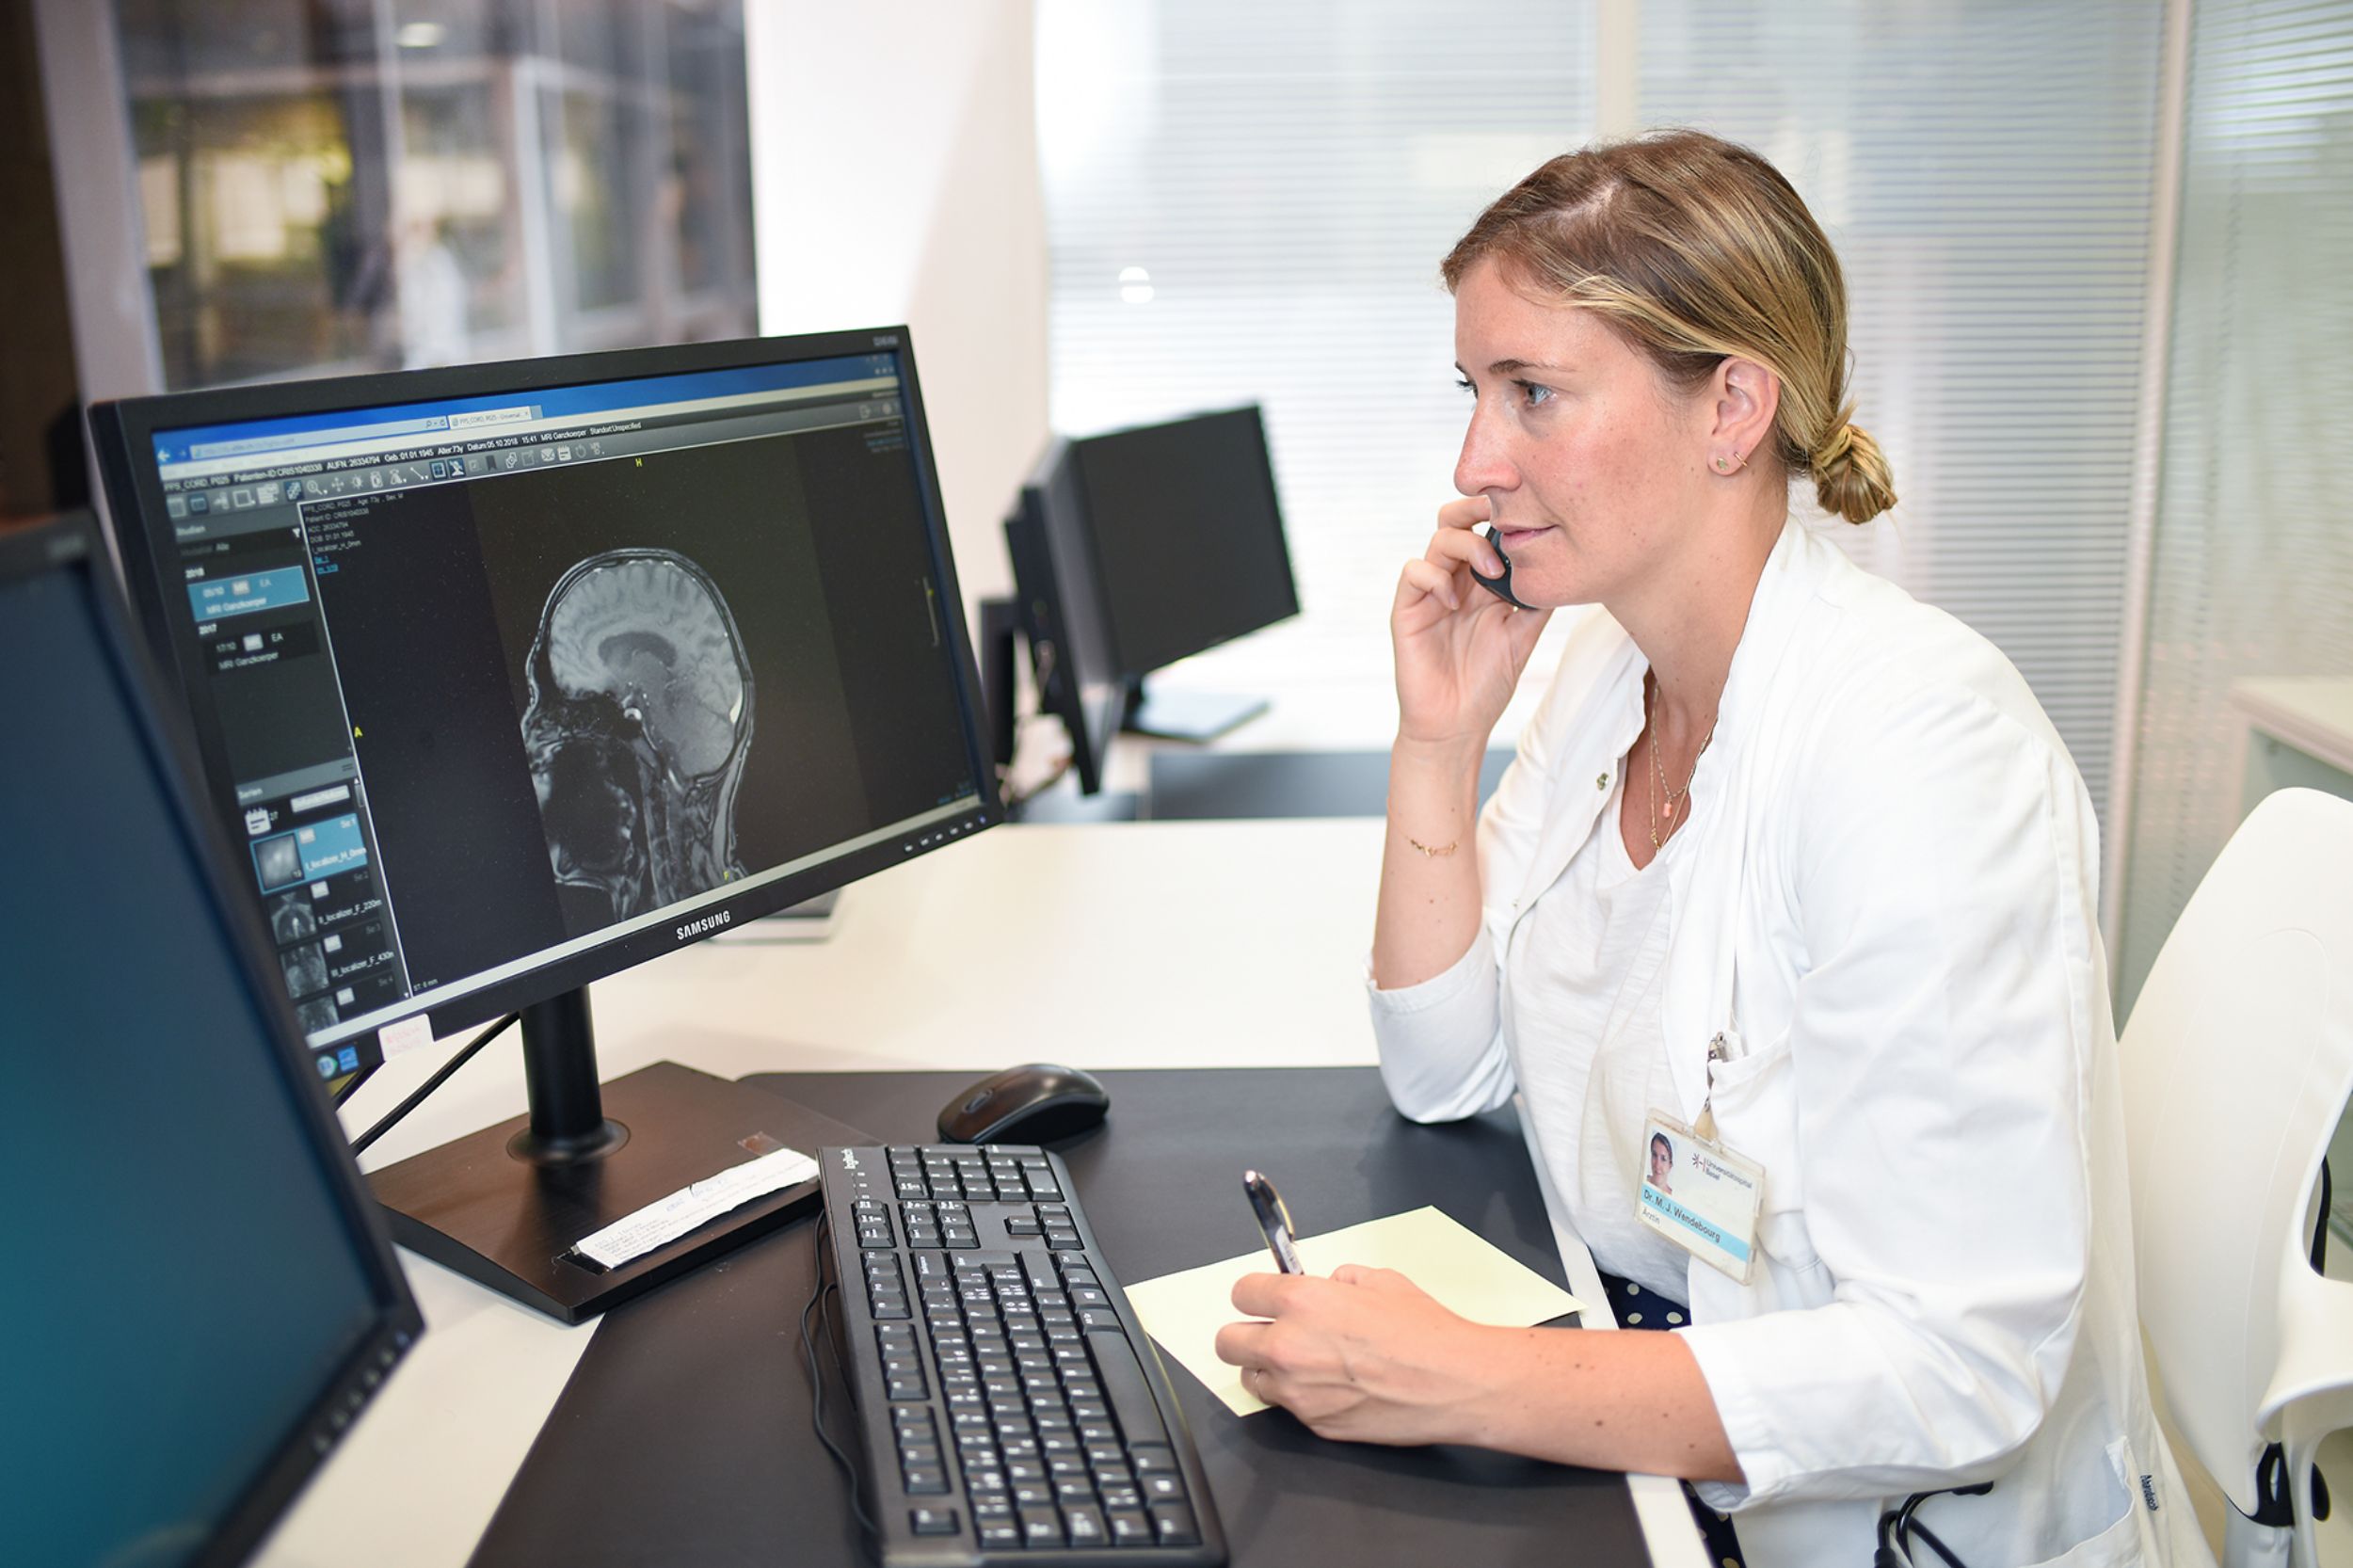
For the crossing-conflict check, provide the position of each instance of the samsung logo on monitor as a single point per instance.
(709, 922)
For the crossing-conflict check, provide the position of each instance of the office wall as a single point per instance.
(894, 179)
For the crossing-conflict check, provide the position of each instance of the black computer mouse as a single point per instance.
(1031, 1104)
(1500, 586)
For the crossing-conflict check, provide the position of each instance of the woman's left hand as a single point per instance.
(1366, 1355)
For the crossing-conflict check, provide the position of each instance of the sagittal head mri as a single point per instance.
(639, 721)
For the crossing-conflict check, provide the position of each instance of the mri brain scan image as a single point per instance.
(639, 720)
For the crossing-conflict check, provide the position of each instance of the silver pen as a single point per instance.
(1275, 1220)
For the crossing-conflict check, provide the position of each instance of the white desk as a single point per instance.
(1131, 945)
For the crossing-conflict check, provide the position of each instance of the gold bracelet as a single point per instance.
(1429, 854)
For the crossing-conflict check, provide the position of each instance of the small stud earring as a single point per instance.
(1723, 464)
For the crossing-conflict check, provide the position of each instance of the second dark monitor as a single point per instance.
(1188, 535)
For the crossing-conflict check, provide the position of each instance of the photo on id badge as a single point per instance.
(1700, 1195)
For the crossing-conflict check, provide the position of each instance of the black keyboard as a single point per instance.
(1010, 1407)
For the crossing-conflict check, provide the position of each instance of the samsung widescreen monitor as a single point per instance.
(508, 677)
(1060, 617)
(1186, 533)
(201, 1296)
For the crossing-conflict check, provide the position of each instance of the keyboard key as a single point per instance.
(908, 1389)
(1001, 1534)
(1033, 1494)
(924, 1479)
(1041, 1527)
(1151, 1459)
(1083, 1525)
(1170, 1489)
(933, 1520)
(1022, 1224)
(1131, 1395)
(1174, 1524)
(1129, 1528)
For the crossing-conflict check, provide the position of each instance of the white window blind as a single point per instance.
(2252, 571)
(1249, 202)
(1986, 171)
(1285, 177)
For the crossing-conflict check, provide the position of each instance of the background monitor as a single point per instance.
(1187, 534)
(202, 1294)
(511, 676)
(1078, 678)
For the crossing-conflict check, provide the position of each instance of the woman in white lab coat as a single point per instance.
(1787, 863)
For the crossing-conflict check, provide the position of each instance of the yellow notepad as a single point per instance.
(1469, 1277)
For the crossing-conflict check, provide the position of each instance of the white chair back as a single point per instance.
(2237, 1063)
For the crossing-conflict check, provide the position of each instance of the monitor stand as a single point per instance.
(1188, 715)
(505, 1206)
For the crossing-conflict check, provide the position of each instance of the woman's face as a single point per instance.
(1591, 461)
(1662, 1163)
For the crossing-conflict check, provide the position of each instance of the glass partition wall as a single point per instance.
(330, 185)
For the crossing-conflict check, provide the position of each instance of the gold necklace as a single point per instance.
(1657, 780)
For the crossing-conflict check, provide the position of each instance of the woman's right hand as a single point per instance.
(1460, 647)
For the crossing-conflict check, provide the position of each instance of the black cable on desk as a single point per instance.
(359, 1144)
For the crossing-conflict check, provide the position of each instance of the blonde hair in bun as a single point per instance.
(1851, 478)
(1696, 249)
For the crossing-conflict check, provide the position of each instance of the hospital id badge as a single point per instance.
(1700, 1195)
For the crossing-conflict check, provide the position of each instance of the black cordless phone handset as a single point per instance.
(1500, 586)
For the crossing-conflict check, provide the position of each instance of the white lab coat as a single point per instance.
(1886, 899)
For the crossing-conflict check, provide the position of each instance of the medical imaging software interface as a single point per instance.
(496, 678)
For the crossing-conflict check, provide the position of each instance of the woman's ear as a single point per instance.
(1747, 397)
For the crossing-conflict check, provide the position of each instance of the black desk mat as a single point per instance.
(683, 1436)
(1187, 786)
